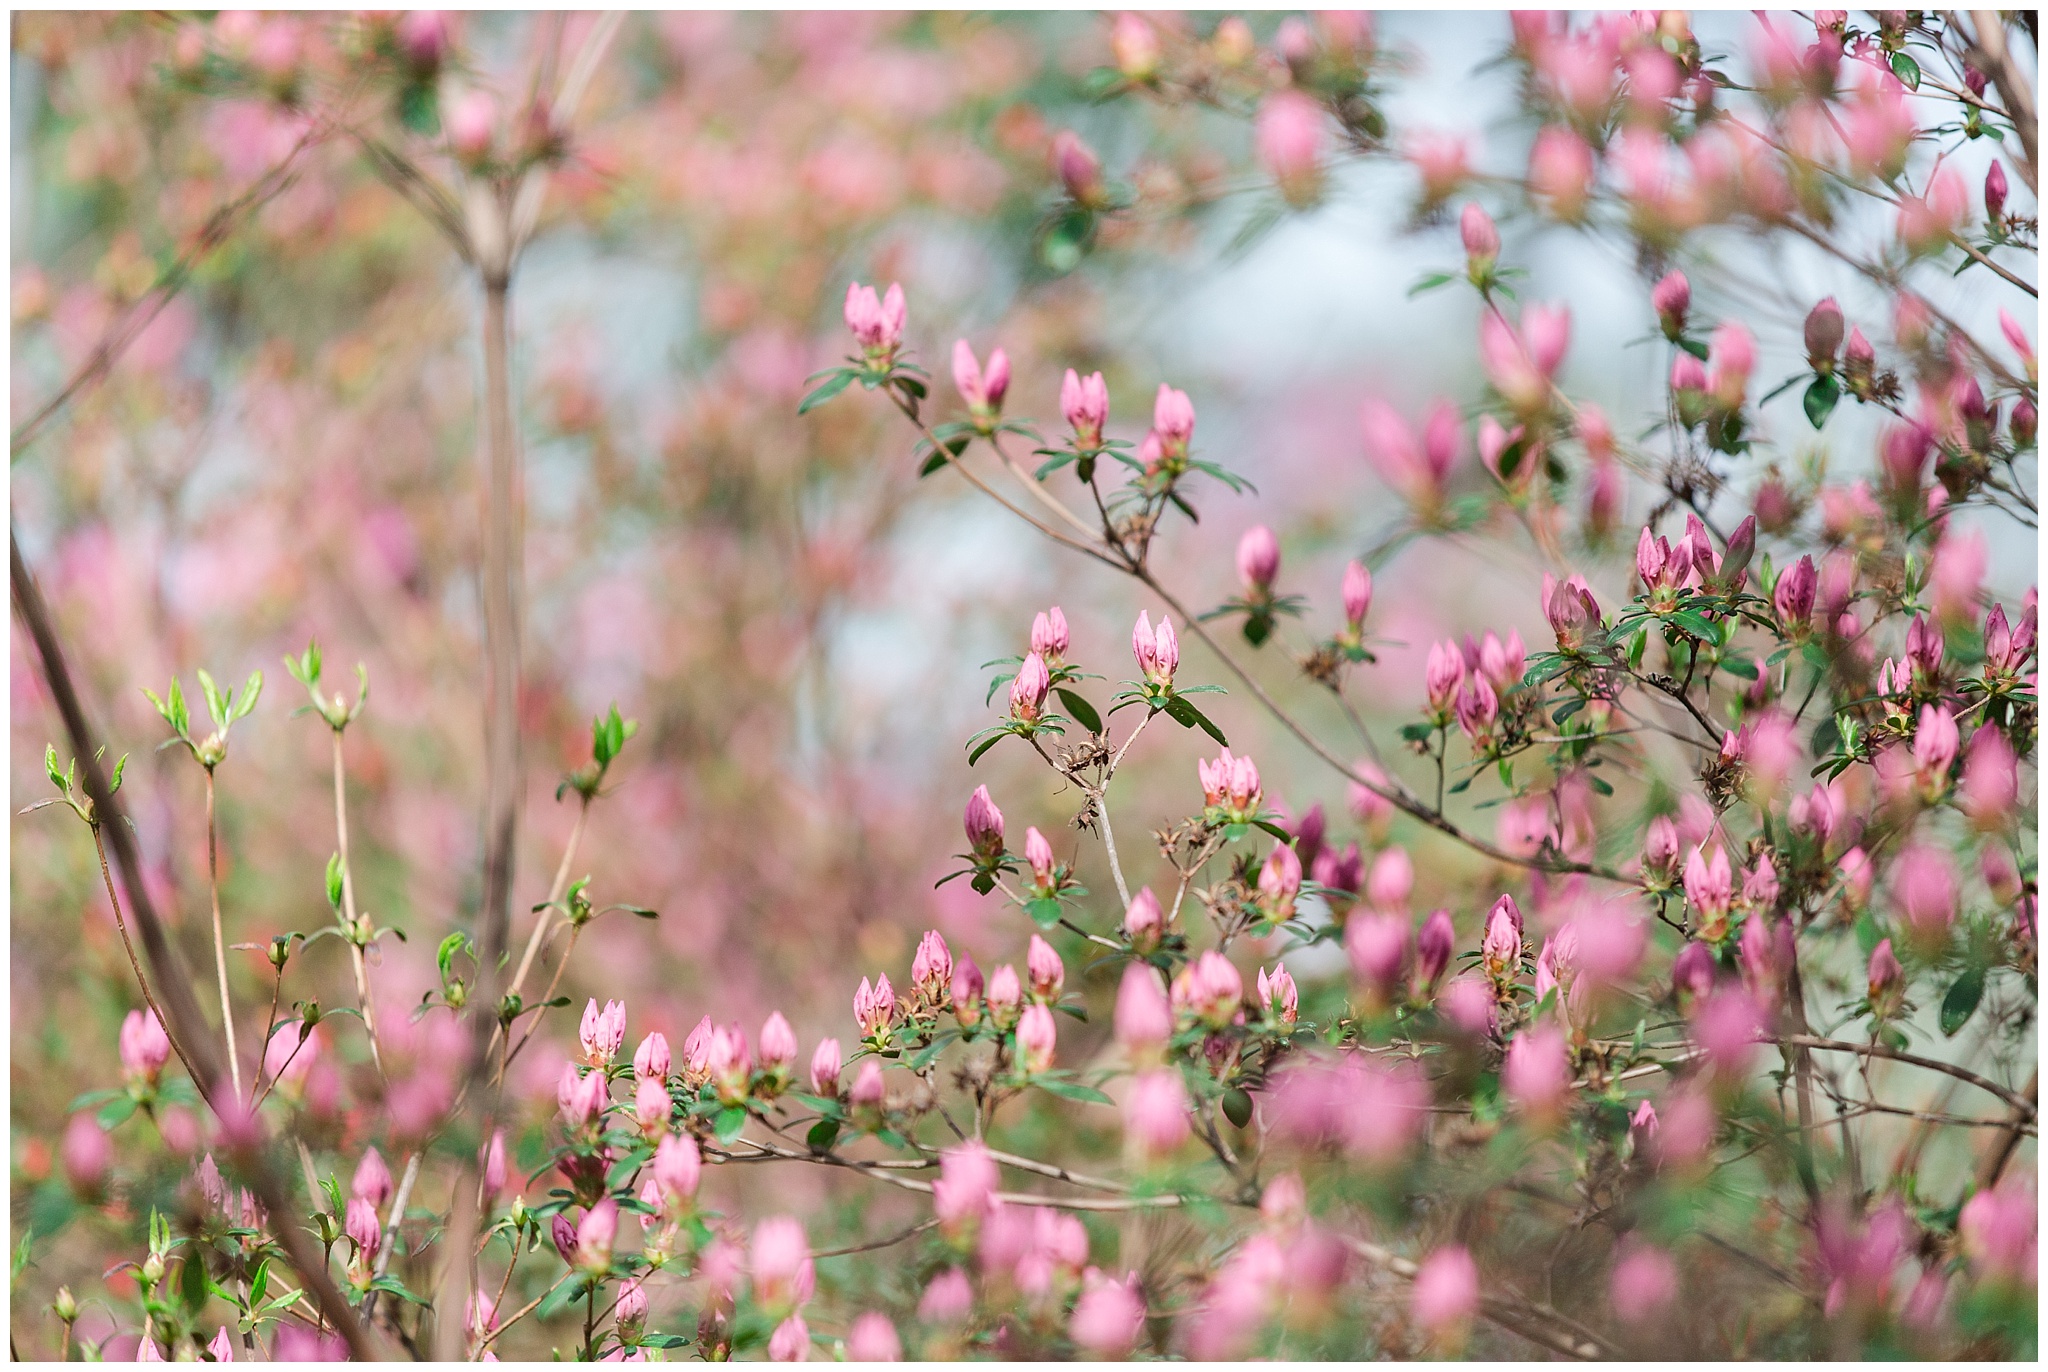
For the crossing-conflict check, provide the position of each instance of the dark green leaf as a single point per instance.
(1739, 666)
(562, 1297)
(1907, 70)
(823, 1135)
(1078, 706)
(1073, 1090)
(114, 1112)
(1183, 712)
(839, 382)
(664, 1341)
(987, 744)
(1695, 347)
(419, 108)
(1961, 1001)
(1820, 400)
(1237, 1106)
(1044, 911)
(193, 1287)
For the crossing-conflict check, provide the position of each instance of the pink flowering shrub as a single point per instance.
(1664, 983)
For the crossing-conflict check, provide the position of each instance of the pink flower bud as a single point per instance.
(1660, 848)
(1288, 134)
(1731, 358)
(1109, 1316)
(2025, 423)
(1357, 594)
(1476, 707)
(1378, 948)
(1794, 595)
(86, 1154)
(877, 325)
(1501, 949)
(1710, 890)
(1444, 162)
(563, 1232)
(778, 1044)
(869, 1090)
(1085, 403)
(1392, 880)
(967, 992)
(1037, 1038)
(472, 127)
(874, 1007)
(947, 1300)
(1049, 634)
(678, 1167)
(1005, 994)
(221, 1346)
(652, 1106)
(1277, 994)
(1258, 559)
(145, 1047)
(650, 1059)
(825, 1066)
(1672, 299)
(1156, 650)
(581, 1099)
(1028, 688)
(1726, 1026)
(1445, 1293)
(1561, 171)
(984, 825)
(1644, 1282)
(360, 1224)
(1997, 1228)
(1926, 223)
(1144, 921)
(1990, 789)
(1173, 417)
(1994, 192)
(1688, 375)
(1693, 971)
(1209, 989)
(1156, 1112)
(983, 391)
(1924, 888)
(630, 1310)
(1481, 238)
(1824, 328)
(372, 1181)
(1279, 882)
(1571, 610)
(602, 1032)
(1144, 1019)
(872, 1338)
(1443, 673)
(967, 1184)
(1433, 949)
(1536, 1075)
(1887, 981)
(731, 1063)
(1048, 974)
(1077, 167)
(1468, 1004)
(784, 1275)
(1135, 46)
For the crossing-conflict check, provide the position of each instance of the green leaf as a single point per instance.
(562, 1297)
(1961, 1001)
(1044, 911)
(1907, 70)
(986, 744)
(193, 1285)
(1820, 400)
(1078, 706)
(251, 689)
(115, 1111)
(1183, 712)
(1416, 733)
(1695, 347)
(839, 382)
(1430, 283)
(729, 1122)
(419, 108)
(334, 881)
(445, 955)
(1072, 1090)
(1599, 784)
(1237, 1106)
(215, 704)
(1739, 666)
(664, 1341)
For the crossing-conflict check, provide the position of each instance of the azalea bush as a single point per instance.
(1659, 982)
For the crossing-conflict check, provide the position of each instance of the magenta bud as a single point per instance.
(1085, 403)
(86, 1154)
(1994, 192)
(1049, 635)
(651, 1058)
(1672, 299)
(1077, 167)
(825, 1068)
(145, 1047)
(1887, 981)
(372, 1181)
(931, 969)
(1038, 855)
(1037, 1037)
(493, 1167)
(1433, 949)
(2024, 423)
(1144, 921)
(1357, 594)
(1482, 239)
(984, 825)
(967, 992)
(1048, 974)
(1824, 327)
(596, 1234)
(678, 1166)
(1028, 689)
(1258, 559)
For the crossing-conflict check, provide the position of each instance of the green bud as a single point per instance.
(66, 1305)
